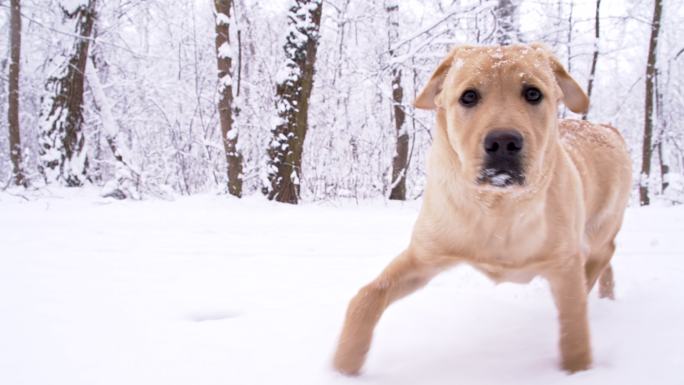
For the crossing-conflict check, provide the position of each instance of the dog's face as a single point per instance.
(500, 106)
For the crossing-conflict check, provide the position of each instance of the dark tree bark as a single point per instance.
(224, 61)
(649, 113)
(62, 142)
(506, 31)
(595, 56)
(400, 160)
(662, 129)
(293, 89)
(18, 177)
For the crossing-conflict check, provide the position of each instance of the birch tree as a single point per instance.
(224, 62)
(63, 154)
(293, 90)
(18, 177)
(649, 113)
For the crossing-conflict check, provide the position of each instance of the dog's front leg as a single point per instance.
(401, 277)
(568, 285)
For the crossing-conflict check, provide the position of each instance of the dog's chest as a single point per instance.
(510, 254)
(499, 274)
(504, 246)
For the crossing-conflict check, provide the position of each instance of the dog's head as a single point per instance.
(499, 106)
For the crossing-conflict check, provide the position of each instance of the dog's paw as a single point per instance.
(577, 363)
(347, 361)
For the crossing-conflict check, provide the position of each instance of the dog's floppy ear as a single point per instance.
(426, 99)
(573, 95)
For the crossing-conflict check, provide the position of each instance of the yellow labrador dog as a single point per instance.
(511, 190)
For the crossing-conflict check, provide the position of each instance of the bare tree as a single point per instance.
(568, 43)
(293, 89)
(229, 132)
(507, 30)
(13, 113)
(400, 160)
(662, 128)
(151, 119)
(649, 113)
(62, 142)
(595, 56)
(126, 182)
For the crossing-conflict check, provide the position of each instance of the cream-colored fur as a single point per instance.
(561, 224)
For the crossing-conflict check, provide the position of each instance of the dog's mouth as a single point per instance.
(502, 171)
(501, 177)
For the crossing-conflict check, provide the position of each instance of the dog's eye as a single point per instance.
(469, 98)
(532, 95)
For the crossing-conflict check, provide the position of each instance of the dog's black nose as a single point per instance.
(503, 143)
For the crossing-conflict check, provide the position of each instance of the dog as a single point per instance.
(511, 190)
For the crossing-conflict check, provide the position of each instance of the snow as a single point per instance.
(210, 289)
(225, 81)
(457, 65)
(232, 134)
(496, 177)
(225, 51)
(288, 72)
(500, 179)
(222, 19)
(71, 5)
(675, 190)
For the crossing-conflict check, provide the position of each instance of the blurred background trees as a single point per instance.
(146, 99)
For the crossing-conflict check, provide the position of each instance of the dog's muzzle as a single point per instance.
(502, 165)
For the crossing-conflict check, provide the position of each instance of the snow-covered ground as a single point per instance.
(213, 290)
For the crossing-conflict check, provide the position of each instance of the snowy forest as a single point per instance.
(191, 192)
(302, 99)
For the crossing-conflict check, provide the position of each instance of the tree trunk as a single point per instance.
(647, 148)
(568, 47)
(662, 129)
(62, 143)
(224, 61)
(506, 31)
(400, 160)
(594, 59)
(126, 183)
(13, 113)
(293, 89)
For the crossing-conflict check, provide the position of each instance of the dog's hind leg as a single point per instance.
(607, 284)
(598, 265)
(404, 275)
